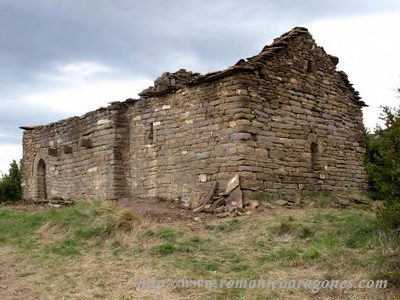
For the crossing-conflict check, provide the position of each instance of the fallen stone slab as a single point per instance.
(236, 196)
(208, 195)
(281, 202)
(223, 215)
(198, 209)
(217, 203)
(232, 184)
(220, 209)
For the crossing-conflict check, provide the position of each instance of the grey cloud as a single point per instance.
(12, 135)
(129, 35)
(138, 38)
(13, 115)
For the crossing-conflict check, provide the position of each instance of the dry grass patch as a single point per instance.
(97, 250)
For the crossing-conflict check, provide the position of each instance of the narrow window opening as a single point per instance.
(41, 180)
(311, 66)
(151, 134)
(314, 156)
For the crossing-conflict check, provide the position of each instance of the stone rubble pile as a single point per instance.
(55, 201)
(344, 201)
(168, 82)
(227, 203)
(290, 202)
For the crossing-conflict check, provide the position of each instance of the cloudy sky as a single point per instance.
(60, 58)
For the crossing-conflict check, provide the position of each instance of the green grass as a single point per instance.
(332, 239)
(168, 234)
(323, 198)
(228, 226)
(285, 226)
(173, 241)
(285, 253)
(78, 226)
(67, 247)
(304, 231)
(163, 249)
(337, 243)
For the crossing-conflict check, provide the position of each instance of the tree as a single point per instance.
(10, 184)
(383, 166)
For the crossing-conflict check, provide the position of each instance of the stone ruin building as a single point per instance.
(284, 121)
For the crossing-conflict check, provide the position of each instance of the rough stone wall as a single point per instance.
(305, 130)
(284, 120)
(80, 154)
(184, 142)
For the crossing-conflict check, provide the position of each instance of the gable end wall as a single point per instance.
(293, 107)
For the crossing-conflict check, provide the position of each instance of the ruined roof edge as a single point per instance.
(192, 79)
(166, 83)
(244, 65)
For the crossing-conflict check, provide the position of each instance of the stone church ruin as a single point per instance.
(284, 121)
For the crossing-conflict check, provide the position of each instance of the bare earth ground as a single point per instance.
(102, 274)
(153, 208)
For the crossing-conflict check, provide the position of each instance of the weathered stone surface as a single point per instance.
(198, 209)
(208, 194)
(203, 177)
(275, 154)
(235, 197)
(281, 202)
(240, 136)
(284, 120)
(195, 201)
(233, 183)
(223, 215)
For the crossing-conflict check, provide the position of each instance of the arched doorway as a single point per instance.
(41, 180)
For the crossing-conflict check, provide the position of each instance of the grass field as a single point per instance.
(96, 250)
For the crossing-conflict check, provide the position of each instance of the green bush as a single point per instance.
(10, 184)
(382, 163)
(389, 215)
(383, 157)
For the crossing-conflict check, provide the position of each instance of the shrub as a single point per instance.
(389, 215)
(383, 157)
(10, 184)
(382, 163)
